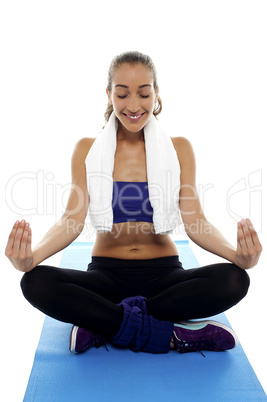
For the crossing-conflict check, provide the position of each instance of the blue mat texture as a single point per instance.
(124, 376)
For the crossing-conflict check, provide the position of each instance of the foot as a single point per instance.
(82, 339)
(192, 336)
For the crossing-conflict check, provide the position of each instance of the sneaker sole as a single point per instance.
(73, 336)
(201, 324)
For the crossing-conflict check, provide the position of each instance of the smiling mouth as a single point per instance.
(135, 117)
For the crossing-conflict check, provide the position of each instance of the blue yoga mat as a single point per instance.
(121, 375)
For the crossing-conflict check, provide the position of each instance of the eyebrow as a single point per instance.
(125, 86)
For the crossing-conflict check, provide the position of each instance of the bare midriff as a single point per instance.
(133, 240)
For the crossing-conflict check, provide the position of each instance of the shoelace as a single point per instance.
(185, 346)
(105, 344)
(99, 340)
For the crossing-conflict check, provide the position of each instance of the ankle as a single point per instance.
(171, 343)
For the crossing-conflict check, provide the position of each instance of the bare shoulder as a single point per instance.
(186, 157)
(184, 149)
(81, 150)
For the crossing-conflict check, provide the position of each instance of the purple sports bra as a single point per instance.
(130, 202)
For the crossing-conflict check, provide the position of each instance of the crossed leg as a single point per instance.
(90, 299)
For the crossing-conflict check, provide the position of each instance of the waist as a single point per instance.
(99, 262)
(134, 247)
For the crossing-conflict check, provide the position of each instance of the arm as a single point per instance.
(199, 229)
(64, 232)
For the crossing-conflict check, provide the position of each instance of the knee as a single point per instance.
(237, 282)
(27, 283)
(31, 284)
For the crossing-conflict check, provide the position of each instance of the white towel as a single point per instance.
(163, 176)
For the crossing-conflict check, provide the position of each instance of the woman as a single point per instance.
(136, 293)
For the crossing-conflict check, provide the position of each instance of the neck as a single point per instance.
(125, 135)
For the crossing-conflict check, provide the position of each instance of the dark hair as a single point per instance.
(132, 58)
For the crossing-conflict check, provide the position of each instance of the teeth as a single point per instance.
(134, 117)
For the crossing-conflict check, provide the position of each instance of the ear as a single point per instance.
(108, 94)
(157, 95)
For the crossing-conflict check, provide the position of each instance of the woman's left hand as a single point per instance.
(249, 247)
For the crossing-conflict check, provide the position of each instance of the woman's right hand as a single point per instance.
(18, 248)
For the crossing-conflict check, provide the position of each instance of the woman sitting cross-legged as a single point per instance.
(134, 181)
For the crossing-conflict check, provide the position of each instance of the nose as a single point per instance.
(133, 105)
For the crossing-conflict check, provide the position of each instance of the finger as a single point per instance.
(24, 239)
(238, 237)
(11, 237)
(29, 242)
(241, 237)
(254, 235)
(247, 235)
(18, 236)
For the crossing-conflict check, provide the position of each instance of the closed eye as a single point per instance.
(124, 96)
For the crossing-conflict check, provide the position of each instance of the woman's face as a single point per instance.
(133, 96)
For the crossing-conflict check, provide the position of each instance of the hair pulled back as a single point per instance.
(132, 58)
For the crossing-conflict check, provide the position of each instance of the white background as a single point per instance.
(211, 62)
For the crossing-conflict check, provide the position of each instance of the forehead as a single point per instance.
(132, 75)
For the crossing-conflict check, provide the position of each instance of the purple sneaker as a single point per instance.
(193, 336)
(82, 339)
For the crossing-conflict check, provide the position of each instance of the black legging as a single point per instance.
(89, 298)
